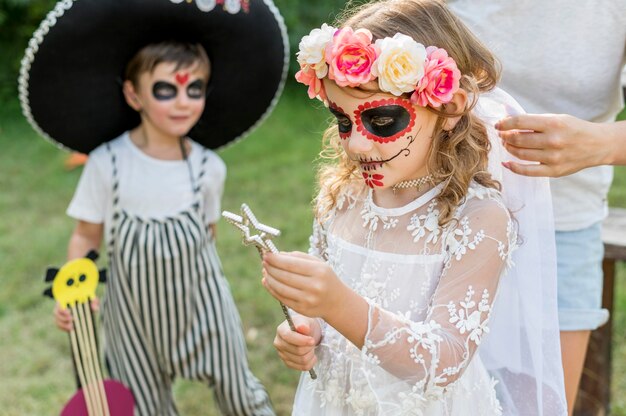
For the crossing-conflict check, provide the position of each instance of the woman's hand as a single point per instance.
(562, 144)
(304, 283)
(63, 317)
(297, 348)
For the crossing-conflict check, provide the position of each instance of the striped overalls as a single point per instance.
(169, 313)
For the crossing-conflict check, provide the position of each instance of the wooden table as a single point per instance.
(594, 394)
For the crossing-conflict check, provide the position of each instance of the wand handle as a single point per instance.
(271, 247)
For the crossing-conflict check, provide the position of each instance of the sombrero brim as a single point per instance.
(71, 75)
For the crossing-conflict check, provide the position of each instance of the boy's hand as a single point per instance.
(304, 283)
(63, 317)
(297, 349)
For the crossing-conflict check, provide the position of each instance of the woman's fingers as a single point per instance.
(531, 155)
(536, 122)
(528, 169)
(524, 139)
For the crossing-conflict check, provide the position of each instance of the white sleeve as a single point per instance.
(317, 241)
(431, 353)
(213, 187)
(93, 192)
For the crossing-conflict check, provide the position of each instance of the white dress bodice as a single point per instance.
(430, 290)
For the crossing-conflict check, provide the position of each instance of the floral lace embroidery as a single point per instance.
(419, 224)
(371, 287)
(458, 241)
(472, 322)
(370, 219)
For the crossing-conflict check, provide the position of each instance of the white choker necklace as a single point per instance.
(412, 183)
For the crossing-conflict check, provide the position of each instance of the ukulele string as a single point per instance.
(91, 382)
(78, 360)
(94, 354)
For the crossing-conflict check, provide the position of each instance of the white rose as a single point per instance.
(400, 65)
(312, 48)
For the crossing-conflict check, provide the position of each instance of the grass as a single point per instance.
(271, 170)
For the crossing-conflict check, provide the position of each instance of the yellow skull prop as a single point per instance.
(75, 282)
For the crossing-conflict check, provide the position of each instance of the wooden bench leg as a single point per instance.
(594, 393)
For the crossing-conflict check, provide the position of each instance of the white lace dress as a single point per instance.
(430, 291)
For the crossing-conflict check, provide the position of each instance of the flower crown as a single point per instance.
(400, 64)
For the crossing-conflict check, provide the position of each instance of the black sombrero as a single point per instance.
(71, 75)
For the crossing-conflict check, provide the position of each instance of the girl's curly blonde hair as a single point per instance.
(457, 156)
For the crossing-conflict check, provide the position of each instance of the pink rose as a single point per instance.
(350, 57)
(440, 81)
(307, 76)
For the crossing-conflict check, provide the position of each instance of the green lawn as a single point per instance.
(272, 171)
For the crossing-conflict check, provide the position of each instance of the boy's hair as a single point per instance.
(183, 54)
(456, 157)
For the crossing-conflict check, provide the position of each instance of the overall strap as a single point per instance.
(115, 193)
(183, 151)
(195, 182)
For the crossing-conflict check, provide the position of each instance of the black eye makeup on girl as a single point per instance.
(344, 124)
(163, 90)
(385, 120)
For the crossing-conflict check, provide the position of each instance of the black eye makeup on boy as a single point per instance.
(385, 120)
(196, 89)
(163, 90)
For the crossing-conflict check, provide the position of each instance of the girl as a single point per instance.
(412, 235)
(153, 194)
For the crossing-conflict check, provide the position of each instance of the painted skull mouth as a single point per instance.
(371, 164)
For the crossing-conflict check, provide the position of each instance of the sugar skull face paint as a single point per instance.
(343, 121)
(385, 120)
(392, 137)
(182, 77)
(169, 108)
(163, 90)
(373, 180)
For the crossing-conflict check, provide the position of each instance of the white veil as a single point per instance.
(523, 349)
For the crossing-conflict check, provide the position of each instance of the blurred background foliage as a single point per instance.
(20, 18)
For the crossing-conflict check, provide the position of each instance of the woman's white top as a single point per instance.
(149, 187)
(559, 56)
(430, 290)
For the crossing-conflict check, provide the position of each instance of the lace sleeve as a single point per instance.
(434, 352)
(317, 241)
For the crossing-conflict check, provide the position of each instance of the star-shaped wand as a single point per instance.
(262, 240)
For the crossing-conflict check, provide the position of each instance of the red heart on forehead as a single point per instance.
(182, 78)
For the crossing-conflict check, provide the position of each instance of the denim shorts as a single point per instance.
(579, 269)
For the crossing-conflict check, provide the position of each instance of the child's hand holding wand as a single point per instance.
(310, 287)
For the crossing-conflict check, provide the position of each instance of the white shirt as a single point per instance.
(149, 187)
(559, 56)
